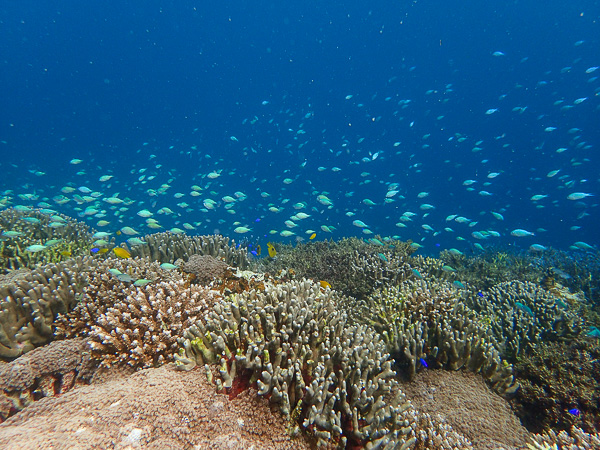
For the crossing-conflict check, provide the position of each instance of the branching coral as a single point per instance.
(522, 314)
(59, 237)
(294, 342)
(557, 378)
(168, 247)
(352, 266)
(424, 322)
(134, 325)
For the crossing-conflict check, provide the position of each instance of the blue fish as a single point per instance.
(526, 309)
(417, 274)
(594, 332)
(574, 411)
(423, 362)
(480, 294)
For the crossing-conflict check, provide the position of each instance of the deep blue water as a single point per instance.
(303, 85)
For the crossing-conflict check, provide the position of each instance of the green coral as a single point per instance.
(294, 342)
(558, 377)
(352, 266)
(64, 237)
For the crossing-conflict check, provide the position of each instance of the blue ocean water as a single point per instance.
(464, 108)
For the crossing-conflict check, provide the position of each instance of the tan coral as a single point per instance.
(138, 326)
(43, 372)
(31, 303)
(168, 247)
(294, 341)
(151, 409)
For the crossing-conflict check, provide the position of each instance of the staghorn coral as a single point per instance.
(555, 378)
(169, 247)
(576, 439)
(134, 325)
(31, 303)
(44, 372)
(522, 315)
(295, 343)
(64, 237)
(424, 322)
(352, 266)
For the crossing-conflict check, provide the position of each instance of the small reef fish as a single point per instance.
(521, 233)
(271, 250)
(526, 309)
(325, 284)
(36, 248)
(121, 253)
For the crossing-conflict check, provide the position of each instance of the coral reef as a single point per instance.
(44, 372)
(425, 323)
(496, 265)
(351, 266)
(57, 236)
(291, 339)
(168, 247)
(560, 386)
(134, 325)
(31, 303)
(522, 314)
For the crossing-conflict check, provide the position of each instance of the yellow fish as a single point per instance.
(324, 284)
(272, 251)
(312, 236)
(65, 252)
(121, 253)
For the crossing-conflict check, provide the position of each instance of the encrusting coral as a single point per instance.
(320, 357)
(44, 372)
(156, 409)
(463, 400)
(334, 379)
